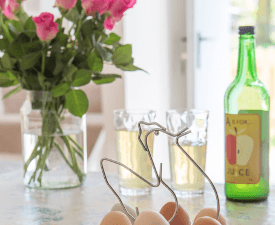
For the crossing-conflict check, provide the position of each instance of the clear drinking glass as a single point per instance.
(130, 151)
(186, 178)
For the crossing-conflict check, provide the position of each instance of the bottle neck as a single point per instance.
(247, 60)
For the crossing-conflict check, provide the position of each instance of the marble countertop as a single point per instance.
(88, 204)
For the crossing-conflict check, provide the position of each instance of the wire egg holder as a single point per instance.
(156, 131)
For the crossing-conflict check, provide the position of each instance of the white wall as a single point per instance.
(211, 79)
(155, 29)
(35, 7)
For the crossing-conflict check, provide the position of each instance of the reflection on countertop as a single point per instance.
(91, 202)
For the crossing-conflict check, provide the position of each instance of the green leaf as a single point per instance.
(12, 92)
(112, 39)
(77, 102)
(7, 79)
(65, 106)
(13, 29)
(105, 55)
(62, 38)
(100, 36)
(6, 61)
(68, 55)
(105, 78)
(72, 15)
(13, 61)
(95, 62)
(32, 47)
(30, 25)
(108, 55)
(129, 67)
(28, 61)
(16, 47)
(6, 84)
(82, 77)
(31, 34)
(59, 66)
(4, 44)
(122, 55)
(22, 15)
(60, 89)
(6, 32)
(104, 81)
(69, 72)
(87, 29)
(41, 79)
(78, 6)
(79, 59)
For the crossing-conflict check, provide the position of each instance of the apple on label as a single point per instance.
(244, 149)
(231, 148)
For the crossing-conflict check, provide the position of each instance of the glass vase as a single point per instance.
(53, 143)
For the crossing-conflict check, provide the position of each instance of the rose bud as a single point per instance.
(46, 28)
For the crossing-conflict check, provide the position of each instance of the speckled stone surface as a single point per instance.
(87, 205)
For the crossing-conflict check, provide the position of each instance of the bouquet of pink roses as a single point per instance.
(39, 56)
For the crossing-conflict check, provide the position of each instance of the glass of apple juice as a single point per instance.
(186, 178)
(130, 151)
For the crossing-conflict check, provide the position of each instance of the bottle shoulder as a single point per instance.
(238, 88)
(246, 95)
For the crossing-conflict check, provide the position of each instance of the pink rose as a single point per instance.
(65, 4)
(11, 9)
(116, 10)
(118, 7)
(2, 4)
(46, 28)
(92, 6)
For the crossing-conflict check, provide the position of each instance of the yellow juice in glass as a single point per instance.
(131, 153)
(185, 176)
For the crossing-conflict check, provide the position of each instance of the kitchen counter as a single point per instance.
(88, 204)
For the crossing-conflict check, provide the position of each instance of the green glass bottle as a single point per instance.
(246, 105)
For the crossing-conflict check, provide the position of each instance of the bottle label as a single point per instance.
(242, 148)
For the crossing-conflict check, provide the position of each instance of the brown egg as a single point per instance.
(115, 218)
(211, 212)
(206, 220)
(150, 218)
(182, 217)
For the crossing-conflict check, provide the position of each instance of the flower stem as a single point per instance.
(77, 152)
(43, 62)
(62, 153)
(32, 156)
(46, 154)
(51, 111)
(67, 143)
(78, 146)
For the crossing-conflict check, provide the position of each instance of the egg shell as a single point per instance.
(211, 212)
(130, 209)
(206, 220)
(182, 217)
(115, 218)
(150, 218)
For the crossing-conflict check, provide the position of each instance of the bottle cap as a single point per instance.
(246, 29)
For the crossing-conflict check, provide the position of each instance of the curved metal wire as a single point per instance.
(201, 170)
(159, 177)
(142, 178)
(106, 180)
(146, 148)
